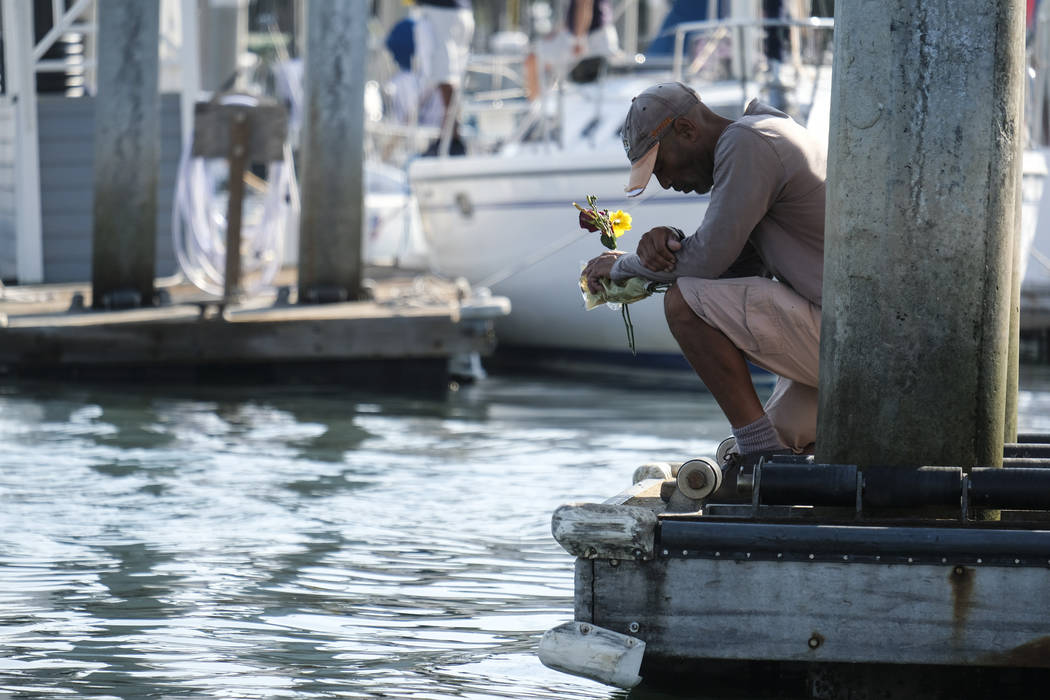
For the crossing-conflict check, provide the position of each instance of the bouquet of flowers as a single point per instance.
(611, 226)
(615, 294)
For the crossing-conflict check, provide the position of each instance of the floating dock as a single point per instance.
(406, 334)
(814, 582)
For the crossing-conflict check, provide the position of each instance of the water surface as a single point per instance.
(314, 543)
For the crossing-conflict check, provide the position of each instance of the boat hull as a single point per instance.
(510, 226)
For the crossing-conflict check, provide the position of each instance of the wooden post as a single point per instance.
(243, 130)
(127, 145)
(333, 151)
(240, 137)
(924, 164)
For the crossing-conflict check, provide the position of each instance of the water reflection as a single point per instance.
(313, 543)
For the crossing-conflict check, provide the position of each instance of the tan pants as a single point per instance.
(778, 330)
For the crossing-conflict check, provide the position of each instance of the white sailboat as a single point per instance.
(504, 219)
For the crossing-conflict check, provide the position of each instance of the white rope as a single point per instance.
(198, 225)
(508, 272)
(559, 244)
(1040, 257)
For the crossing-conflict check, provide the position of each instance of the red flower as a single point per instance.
(588, 220)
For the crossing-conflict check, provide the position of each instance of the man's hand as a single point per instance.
(600, 268)
(657, 248)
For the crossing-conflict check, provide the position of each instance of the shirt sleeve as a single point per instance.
(748, 176)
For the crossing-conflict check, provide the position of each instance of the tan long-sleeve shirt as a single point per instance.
(769, 174)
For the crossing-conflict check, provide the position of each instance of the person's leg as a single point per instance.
(792, 408)
(443, 37)
(445, 90)
(717, 361)
(460, 34)
(767, 323)
(723, 370)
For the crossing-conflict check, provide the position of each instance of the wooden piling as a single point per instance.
(240, 136)
(127, 150)
(333, 151)
(924, 164)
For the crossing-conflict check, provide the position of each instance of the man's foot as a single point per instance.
(733, 488)
(727, 450)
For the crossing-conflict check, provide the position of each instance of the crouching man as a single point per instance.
(747, 282)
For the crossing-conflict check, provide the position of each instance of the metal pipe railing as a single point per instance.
(737, 24)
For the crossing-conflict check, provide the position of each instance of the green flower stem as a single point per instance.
(625, 311)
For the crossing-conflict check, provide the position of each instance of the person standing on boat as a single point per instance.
(578, 50)
(747, 282)
(411, 104)
(444, 30)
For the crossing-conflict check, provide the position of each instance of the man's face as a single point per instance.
(684, 165)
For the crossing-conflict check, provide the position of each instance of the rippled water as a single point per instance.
(313, 543)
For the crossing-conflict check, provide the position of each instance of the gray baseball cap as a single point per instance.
(648, 120)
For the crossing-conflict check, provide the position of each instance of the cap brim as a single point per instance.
(641, 171)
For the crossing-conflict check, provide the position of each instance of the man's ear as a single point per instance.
(685, 128)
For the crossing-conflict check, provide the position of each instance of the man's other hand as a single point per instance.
(600, 268)
(657, 248)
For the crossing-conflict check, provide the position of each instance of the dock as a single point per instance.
(810, 581)
(909, 555)
(328, 317)
(404, 335)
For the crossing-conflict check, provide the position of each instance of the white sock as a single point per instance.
(759, 436)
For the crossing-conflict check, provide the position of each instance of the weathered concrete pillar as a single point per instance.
(127, 147)
(1014, 354)
(333, 151)
(223, 38)
(924, 165)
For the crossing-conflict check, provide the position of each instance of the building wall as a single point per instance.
(67, 154)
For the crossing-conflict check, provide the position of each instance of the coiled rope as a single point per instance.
(198, 225)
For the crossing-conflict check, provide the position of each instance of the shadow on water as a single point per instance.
(125, 622)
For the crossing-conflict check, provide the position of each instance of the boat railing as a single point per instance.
(504, 94)
(507, 109)
(497, 97)
(744, 34)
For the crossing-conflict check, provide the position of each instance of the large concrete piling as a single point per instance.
(923, 171)
(127, 148)
(333, 151)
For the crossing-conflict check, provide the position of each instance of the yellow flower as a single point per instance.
(621, 222)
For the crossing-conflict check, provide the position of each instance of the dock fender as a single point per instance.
(583, 649)
(605, 530)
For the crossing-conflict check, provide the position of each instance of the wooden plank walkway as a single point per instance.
(409, 320)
